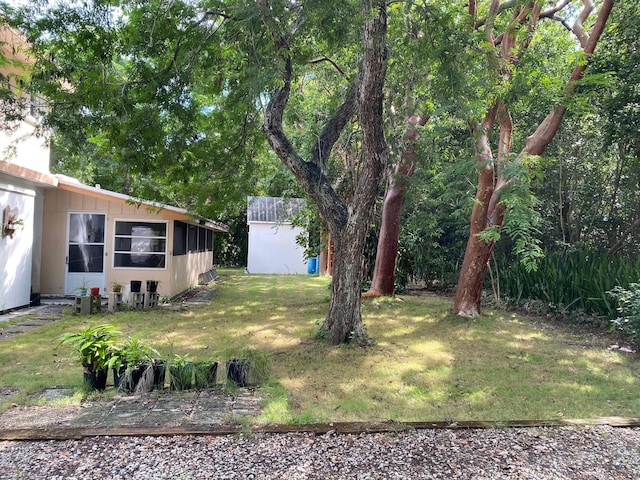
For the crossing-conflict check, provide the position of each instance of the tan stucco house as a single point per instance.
(57, 233)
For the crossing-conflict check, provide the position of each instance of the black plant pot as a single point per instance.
(136, 286)
(96, 380)
(159, 369)
(138, 379)
(152, 286)
(181, 377)
(205, 374)
(238, 371)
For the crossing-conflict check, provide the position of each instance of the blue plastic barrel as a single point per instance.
(311, 266)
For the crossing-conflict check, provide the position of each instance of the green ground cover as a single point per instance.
(426, 364)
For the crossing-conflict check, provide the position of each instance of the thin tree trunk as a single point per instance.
(635, 225)
(384, 272)
(474, 265)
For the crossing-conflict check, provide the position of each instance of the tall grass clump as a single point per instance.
(575, 279)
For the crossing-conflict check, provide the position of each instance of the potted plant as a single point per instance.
(136, 286)
(83, 287)
(138, 360)
(247, 366)
(181, 373)
(152, 286)
(116, 287)
(205, 374)
(238, 371)
(93, 346)
(117, 363)
(95, 291)
(159, 370)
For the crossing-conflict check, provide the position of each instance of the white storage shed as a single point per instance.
(272, 237)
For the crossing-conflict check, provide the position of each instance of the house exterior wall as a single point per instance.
(179, 273)
(273, 249)
(187, 268)
(16, 252)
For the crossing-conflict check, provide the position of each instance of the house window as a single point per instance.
(140, 244)
(202, 239)
(179, 238)
(193, 239)
(209, 240)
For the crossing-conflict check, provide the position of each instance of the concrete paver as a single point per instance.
(152, 410)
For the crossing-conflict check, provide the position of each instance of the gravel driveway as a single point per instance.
(597, 453)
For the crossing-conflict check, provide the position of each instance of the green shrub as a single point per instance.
(628, 300)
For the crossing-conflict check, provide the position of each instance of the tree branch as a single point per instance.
(327, 59)
(537, 142)
(333, 128)
(578, 30)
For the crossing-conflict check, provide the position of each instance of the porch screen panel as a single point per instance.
(140, 244)
(202, 239)
(209, 240)
(179, 238)
(192, 239)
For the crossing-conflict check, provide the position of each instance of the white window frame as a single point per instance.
(165, 253)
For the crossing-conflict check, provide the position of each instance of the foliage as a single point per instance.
(570, 279)
(522, 221)
(616, 63)
(142, 101)
(92, 345)
(179, 360)
(628, 308)
(232, 248)
(135, 352)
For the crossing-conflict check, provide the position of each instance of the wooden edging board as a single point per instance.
(77, 433)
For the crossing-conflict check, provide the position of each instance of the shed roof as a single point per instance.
(273, 209)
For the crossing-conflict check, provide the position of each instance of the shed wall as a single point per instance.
(273, 249)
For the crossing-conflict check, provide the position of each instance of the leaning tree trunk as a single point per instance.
(384, 271)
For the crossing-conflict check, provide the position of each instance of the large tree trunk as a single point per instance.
(384, 271)
(344, 321)
(347, 224)
(488, 211)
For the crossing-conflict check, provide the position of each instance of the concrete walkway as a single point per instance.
(158, 412)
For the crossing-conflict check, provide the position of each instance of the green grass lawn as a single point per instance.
(426, 365)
